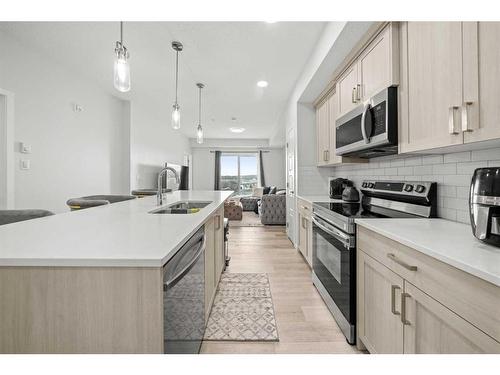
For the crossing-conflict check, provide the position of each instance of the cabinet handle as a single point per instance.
(451, 120)
(303, 223)
(393, 299)
(358, 92)
(401, 263)
(327, 155)
(218, 222)
(353, 95)
(465, 117)
(403, 309)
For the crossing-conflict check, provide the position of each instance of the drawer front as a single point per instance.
(304, 207)
(474, 299)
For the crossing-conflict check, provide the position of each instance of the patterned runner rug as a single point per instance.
(243, 309)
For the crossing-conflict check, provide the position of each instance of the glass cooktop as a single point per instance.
(347, 209)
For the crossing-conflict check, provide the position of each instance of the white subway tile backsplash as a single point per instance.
(413, 161)
(397, 163)
(404, 171)
(432, 159)
(452, 172)
(442, 169)
(469, 167)
(422, 170)
(489, 154)
(457, 157)
(463, 217)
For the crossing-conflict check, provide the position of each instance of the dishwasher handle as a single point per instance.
(174, 280)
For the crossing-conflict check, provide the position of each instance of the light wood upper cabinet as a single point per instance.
(432, 85)
(347, 90)
(322, 133)
(378, 64)
(431, 328)
(480, 108)
(379, 311)
(333, 104)
(450, 82)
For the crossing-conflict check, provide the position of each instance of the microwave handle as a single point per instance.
(366, 120)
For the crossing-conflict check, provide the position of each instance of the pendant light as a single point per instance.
(199, 129)
(176, 110)
(121, 67)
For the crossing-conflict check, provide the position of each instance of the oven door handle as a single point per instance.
(346, 240)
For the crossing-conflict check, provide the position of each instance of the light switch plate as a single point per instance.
(25, 148)
(25, 165)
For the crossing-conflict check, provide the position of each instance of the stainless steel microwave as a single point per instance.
(370, 129)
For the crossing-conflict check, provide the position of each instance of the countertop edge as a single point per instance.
(429, 252)
(110, 262)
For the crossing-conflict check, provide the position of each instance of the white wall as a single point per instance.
(204, 160)
(153, 142)
(73, 153)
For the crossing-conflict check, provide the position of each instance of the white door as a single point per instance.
(6, 149)
(290, 185)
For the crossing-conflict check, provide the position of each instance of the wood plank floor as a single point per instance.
(304, 323)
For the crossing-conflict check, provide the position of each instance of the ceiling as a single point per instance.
(228, 57)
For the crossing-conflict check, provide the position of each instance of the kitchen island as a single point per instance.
(91, 281)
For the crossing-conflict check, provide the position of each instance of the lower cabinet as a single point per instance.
(394, 316)
(379, 311)
(429, 327)
(214, 257)
(305, 230)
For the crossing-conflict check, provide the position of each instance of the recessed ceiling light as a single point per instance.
(262, 83)
(237, 130)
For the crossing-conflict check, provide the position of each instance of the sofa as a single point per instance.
(272, 209)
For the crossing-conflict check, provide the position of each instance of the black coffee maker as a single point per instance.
(337, 186)
(484, 204)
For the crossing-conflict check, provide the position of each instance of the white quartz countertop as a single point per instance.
(117, 235)
(450, 242)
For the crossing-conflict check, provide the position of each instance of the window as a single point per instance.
(239, 172)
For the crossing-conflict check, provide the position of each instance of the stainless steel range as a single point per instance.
(334, 239)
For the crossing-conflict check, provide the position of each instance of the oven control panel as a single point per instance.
(408, 188)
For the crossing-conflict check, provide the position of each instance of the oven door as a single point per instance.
(334, 264)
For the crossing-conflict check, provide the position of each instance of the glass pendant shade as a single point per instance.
(199, 134)
(122, 74)
(176, 117)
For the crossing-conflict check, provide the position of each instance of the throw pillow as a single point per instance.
(281, 192)
(258, 192)
(273, 190)
(266, 190)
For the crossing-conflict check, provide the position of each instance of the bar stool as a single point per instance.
(14, 216)
(81, 203)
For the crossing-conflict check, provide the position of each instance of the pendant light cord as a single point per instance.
(176, 73)
(199, 109)
(121, 33)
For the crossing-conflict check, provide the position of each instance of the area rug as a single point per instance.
(250, 219)
(243, 309)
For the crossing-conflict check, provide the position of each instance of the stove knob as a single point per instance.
(420, 189)
(371, 185)
(364, 184)
(408, 188)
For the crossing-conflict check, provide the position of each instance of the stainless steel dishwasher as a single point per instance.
(184, 297)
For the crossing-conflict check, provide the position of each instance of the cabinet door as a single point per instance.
(333, 104)
(219, 245)
(481, 81)
(432, 81)
(302, 236)
(322, 133)
(379, 310)
(209, 265)
(434, 329)
(378, 64)
(347, 87)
